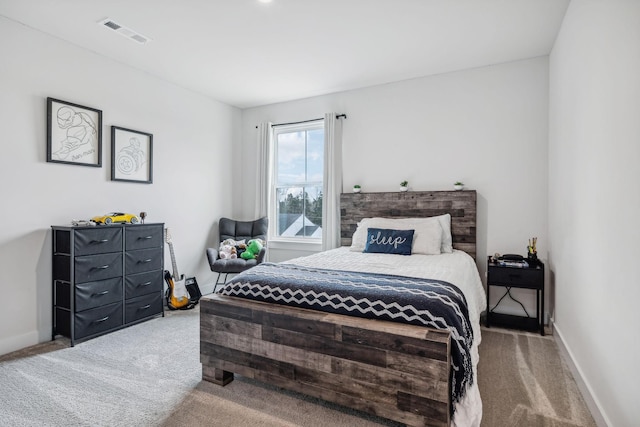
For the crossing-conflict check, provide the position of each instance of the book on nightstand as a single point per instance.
(513, 263)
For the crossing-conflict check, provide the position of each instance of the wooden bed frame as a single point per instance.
(393, 370)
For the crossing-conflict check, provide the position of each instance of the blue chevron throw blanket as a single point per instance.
(432, 303)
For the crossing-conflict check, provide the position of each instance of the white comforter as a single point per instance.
(457, 268)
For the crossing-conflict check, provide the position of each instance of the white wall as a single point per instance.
(193, 141)
(486, 127)
(594, 202)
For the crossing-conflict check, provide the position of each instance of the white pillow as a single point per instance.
(445, 224)
(428, 233)
(447, 241)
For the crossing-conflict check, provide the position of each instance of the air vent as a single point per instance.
(112, 25)
(139, 38)
(124, 31)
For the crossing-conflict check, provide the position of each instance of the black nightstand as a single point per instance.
(516, 277)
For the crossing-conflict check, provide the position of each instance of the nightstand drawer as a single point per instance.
(518, 277)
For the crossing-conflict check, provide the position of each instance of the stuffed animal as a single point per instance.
(232, 242)
(254, 247)
(227, 252)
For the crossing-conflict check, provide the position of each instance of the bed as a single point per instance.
(414, 371)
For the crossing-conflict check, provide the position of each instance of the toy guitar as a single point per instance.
(177, 295)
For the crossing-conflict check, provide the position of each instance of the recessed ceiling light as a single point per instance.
(264, 1)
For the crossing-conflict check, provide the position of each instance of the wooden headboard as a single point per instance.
(460, 204)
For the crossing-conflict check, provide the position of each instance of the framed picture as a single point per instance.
(74, 134)
(131, 155)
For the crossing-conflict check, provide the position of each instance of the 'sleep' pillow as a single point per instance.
(430, 236)
(387, 241)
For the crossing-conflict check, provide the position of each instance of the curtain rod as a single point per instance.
(338, 116)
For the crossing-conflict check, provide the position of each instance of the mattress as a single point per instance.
(457, 268)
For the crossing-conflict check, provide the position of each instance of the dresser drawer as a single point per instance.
(144, 236)
(98, 267)
(143, 283)
(519, 277)
(144, 306)
(97, 241)
(95, 294)
(98, 320)
(143, 260)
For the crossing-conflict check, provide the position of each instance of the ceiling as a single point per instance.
(246, 53)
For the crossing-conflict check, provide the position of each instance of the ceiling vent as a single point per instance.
(124, 31)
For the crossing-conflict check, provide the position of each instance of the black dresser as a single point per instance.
(106, 277)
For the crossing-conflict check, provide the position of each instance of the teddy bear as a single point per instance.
(231, 249)
(227, 252)
(253, 249)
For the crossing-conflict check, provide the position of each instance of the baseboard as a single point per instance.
(12, 344)
(587, 393)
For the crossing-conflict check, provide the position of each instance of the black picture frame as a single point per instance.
(74, 134)
(131, 155)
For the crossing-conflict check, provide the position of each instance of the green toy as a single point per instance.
(253, 249)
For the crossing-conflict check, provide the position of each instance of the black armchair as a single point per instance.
(237, 230)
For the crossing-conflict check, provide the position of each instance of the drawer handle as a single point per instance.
(103, 267)
(101, 293)
(144, 307)
(146, 238)
(145, 284)
(144, 261)
(100, 241)
(101, 320)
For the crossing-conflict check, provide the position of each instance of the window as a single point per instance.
(298, 178)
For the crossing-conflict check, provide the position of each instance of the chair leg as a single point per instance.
(218, 282)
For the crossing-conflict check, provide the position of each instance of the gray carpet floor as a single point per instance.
(150, 375)
(524, 382)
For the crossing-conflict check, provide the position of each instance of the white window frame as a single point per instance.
(275, 241)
